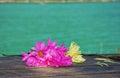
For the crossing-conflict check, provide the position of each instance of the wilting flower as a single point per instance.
(75, 53)
(49, 55)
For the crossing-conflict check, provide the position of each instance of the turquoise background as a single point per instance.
(94, 26)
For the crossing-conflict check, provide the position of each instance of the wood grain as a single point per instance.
(13, 67)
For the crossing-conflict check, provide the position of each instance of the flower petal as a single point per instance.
(37, 45)
(42, 45)
(75, 53)
(52, 55)
(48, 41)
(53, 44)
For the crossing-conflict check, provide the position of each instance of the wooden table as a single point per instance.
(13, 67)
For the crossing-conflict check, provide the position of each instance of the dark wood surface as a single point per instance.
(13, 67)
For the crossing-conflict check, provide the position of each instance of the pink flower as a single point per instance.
(49, 55)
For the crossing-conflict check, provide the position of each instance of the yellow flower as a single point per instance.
(75, 53)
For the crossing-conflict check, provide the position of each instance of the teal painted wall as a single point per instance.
(94, 26)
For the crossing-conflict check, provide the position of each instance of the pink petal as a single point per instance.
(42, 45)
(53, 43)
(37, 45)
(62, 45)
(53, 55)
(24, 54)
(48, 41)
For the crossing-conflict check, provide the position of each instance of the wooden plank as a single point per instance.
(15, 61)
(13, 67)
(35, 74)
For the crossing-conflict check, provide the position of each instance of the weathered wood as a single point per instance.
(13, 67)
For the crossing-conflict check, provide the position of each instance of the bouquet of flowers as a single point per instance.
(52, 55)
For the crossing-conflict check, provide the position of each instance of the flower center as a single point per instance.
(40, 53)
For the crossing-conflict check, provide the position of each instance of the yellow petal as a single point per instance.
(75, 53)
(73, 49)
(78, 59)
